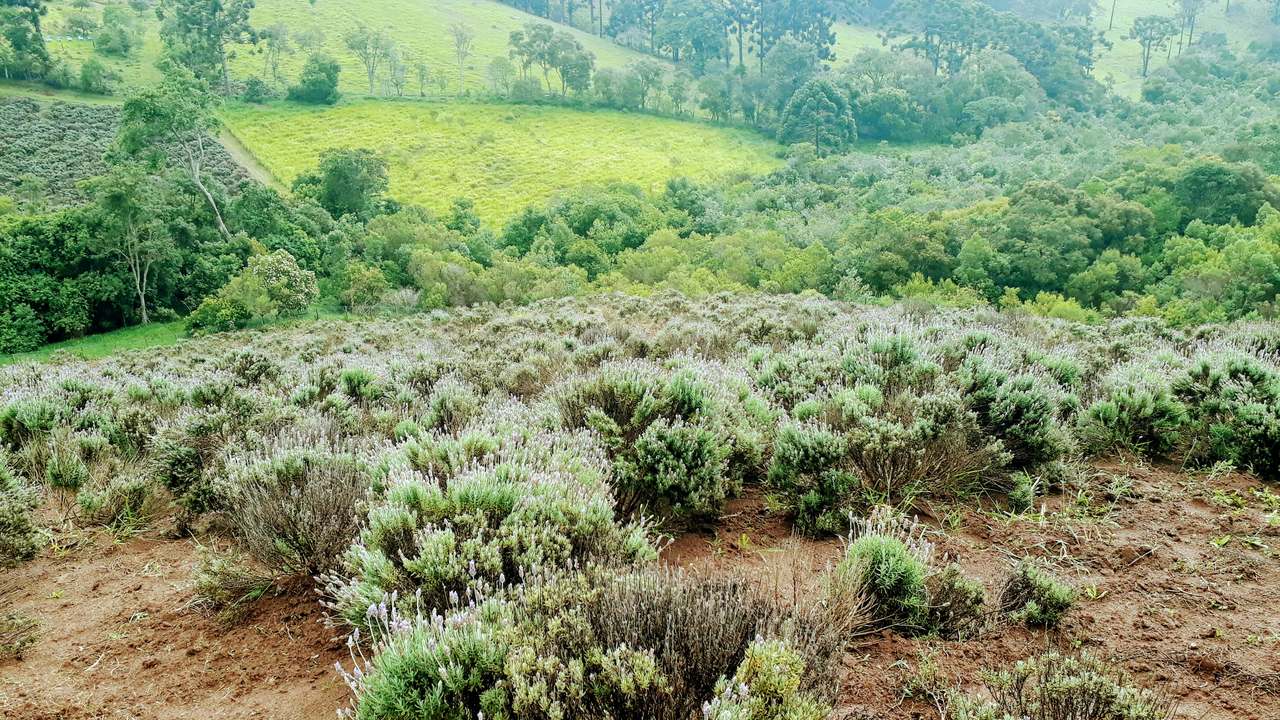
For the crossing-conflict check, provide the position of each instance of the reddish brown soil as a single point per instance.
(118, 640)
(1182, 578)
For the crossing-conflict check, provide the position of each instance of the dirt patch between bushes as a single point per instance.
(1180, 579)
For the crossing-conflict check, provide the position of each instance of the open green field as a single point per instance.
(1121, 66)
(419, 27)
(102, 345)
(504, 157)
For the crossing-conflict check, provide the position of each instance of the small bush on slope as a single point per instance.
(681, 442)
(19, 537)
(655, 645)
(766, 686)
(538, 504)
(296, 506)
(1033, 596)
(1059, 687)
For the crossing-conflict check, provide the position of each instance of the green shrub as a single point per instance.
(218, 314)
(1143, 419)
(1020, 411)
(1033, 596)
(256, 91)
(681, 443)
(1234, 411)
(318, 83)
(893, 578)
(25, 421)
(766, 686)
(957, 604)
(1060, 687)
(66, 470)
(541, 505)
(1022, 496)
(678, 470)
(806, 478)
(124, 502)
(436, 670)
(452, 404)
(21, 330)
(20, 539)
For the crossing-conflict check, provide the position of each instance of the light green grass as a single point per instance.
(108, 343)
(504, 157)
(420, 28)
(1121, 66)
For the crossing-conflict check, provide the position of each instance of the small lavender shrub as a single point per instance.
(1061, 687)
(1033, 596)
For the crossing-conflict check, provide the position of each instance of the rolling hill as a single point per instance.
(1120, 66)
(419, 28)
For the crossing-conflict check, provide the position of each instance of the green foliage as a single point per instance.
(346, 182)
(318, 83)
(20, 539)
(893, 576)
(818, 113)
(805, 470)
(766, 686)
(218, 314)
(1052, 686)
(1143, 419)
(1032, 596)
(21, 330)
(455, 530)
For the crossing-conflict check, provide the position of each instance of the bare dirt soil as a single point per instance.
(1179, 577)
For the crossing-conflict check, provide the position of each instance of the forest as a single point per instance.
(663, 359)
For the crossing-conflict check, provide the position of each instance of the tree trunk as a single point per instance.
(1111, 26)
(194, 165)
(226, 76)
(140, 284)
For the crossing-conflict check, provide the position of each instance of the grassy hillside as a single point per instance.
(1121, 66)
(1248, 22)
(420, 28)
(504, 157)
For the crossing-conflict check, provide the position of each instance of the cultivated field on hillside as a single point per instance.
(503, 157)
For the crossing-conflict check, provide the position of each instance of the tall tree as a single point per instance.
(641, 15)
(1153, 33)
(372, 47)
(201, 34)
(463, 41)
(944, 32)
(1188, 12)
(693, 30)
(819, 113)
(126, 200)
(177, 114)
(741, 15)
(276, 44)
(22, 36)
